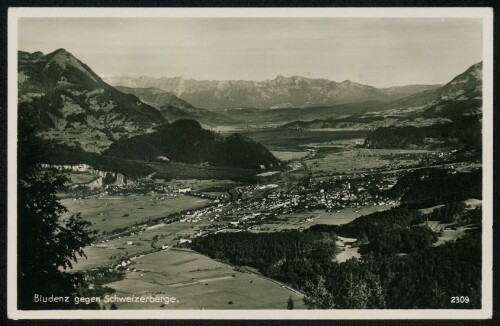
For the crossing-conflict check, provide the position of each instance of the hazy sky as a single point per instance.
(372, 51)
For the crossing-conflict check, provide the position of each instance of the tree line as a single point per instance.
(400, 268)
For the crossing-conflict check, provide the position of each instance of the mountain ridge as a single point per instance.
(84, 118)
(456, 109)
(466, 85)
(75, 106)
(280, 92)
(174, 108)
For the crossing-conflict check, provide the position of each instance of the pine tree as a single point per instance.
(318, 297)
(290, 303)
(45, 243)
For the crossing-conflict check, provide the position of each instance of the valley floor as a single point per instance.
(146, 234)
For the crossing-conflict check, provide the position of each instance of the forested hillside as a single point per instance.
(186, 141)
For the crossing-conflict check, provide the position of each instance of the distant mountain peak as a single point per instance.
(291, 78)
(348, 82)
(59, 54)
(61, 51)
(63, 60)
(466, 85)
(280, 92)
(476, 70)
(23, 55)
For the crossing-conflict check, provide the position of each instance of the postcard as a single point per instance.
(250, 163)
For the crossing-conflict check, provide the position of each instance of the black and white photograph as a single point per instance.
(250, 163)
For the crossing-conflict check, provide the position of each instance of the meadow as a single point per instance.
(198, 282)
(174, 170)
(357, 160)
(287, 139)
(347, 215)
(111, 212)
(342, 216)
(106, 252)
(202, 185)
(290, 155)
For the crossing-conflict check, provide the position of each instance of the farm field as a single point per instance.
(105, 253)
(80, 178)
(290, 155)
(294, 221)
(112, 212)
(199, 185)
(198, 282)
(175, 170)
(286, 139)
(347, 215)
(357, 160)
(343, 216)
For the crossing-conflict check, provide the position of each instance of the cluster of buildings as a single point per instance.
(211, 213)
(356, 191)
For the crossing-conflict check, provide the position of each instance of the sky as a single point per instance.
(380, 52)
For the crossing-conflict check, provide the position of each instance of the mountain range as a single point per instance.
(173, 108)
(84, 118)
(281, 92)
(75, 106)
(461, 96)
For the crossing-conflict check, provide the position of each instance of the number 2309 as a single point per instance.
(461, 299)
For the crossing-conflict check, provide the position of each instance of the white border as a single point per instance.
(486, 14)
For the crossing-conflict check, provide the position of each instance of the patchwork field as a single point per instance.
(339, 217)
(198, 185)
(105, 253)
(357, 160)
(111, 212)
(299, 220)
(281, 139)
(347, 215)
(198, 282)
